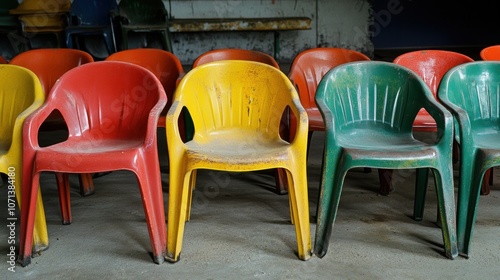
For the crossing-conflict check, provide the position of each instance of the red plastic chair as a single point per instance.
(111, 109)
(165, 66)
(49, 65)
(235, 54)
(490, 53)
(243, 54)
(431, 66)
(2, 60)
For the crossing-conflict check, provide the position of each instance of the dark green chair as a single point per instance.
(369, 108)
(147, 16)
(470, 91)
(8, 22)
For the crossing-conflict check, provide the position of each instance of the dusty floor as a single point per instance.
(240, 229)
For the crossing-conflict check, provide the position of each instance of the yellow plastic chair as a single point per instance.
(20, 94)
(236, 108)
(42, 16)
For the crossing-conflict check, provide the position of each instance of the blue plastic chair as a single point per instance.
(92, 18)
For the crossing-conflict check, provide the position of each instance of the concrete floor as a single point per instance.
(240, 229)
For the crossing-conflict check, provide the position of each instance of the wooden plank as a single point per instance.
(239, 24)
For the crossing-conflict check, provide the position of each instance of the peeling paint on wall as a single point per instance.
(335, 23)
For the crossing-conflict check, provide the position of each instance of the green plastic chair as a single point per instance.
(369, 108)
(470, 91)
(8, 21)
(144, 16)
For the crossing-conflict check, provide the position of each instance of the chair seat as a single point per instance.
(87, 156)
(243, 147)
(489, 139)
(385, 145)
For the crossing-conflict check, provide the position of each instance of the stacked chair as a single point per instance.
(144, 16)
(43, 17)
(88, 18)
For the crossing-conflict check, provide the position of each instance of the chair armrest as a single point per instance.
(461, 118)
(172, 122)
(302, 119)
(32, 125)
(443, 118)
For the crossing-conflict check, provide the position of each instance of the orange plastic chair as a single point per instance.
(235, 54)
(111, 109)
(49, 65)
(236, 107)
(41, 16)
(250, 55)
(431, 66)
(20, 95)
(165, 66)
(490, 53)
(3, 60)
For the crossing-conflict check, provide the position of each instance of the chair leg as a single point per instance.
(192, 183)
(86, 184)
(149, 179)
(330, 190)
(178, 194)
(421, 181)
(64, 197)
(300, 210)
(487, 181)
(28, 212)
(385, 179)
(40, 235)
(443, 179)
(281, 181)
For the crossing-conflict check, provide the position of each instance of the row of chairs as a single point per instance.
(394, 124)
(70, 21)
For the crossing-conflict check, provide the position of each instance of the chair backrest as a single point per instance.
(164, 65)
(50, 64)
(42, 7)
(19, 89)
(227, 94)
(474, 88)
(137, 12)
(371, 93)
(92, 13)
(235, 54)
(107, 99)
(431, 65)
(7, 5)
(490, 53)
(309, 67)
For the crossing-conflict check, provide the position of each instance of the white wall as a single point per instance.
(337, 23)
